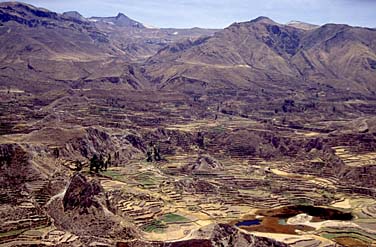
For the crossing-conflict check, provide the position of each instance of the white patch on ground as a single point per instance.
(107, 212)
(12, 91)
(305, 220)
(309, 178)
(299, 219)
(291, 240)
(150, 26)
(342, 204)
(57, 196)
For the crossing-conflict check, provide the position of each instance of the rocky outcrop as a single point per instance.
(83, 211)
(19, 204)
(82, 143)
(360, 176)
(16, 169)
(81, 194)
(91, 142)
(226, 235)
(204, 163)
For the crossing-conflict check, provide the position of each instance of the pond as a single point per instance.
(249, 223)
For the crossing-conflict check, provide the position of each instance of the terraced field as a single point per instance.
(216, 168)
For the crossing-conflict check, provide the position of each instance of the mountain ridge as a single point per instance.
(302, 25)
(259, 53)
(265, 48)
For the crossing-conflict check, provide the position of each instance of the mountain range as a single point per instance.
(42, 49)
(262, 51)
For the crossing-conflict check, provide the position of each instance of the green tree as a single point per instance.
(156, 153)
(94, 163)
(149, 152)
(108, 162)
(79, 165)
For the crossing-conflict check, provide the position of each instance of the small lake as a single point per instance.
(249, 223)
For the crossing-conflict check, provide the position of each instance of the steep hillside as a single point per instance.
(262, 53)
(27, 31)
(339, 55)
(141, 43)
(67, 50)
(56, 51)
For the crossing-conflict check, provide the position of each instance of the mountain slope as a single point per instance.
(340, 54)
(67, 50)
(50, 33)
(252, 53)
(238, 56)
(45, 47)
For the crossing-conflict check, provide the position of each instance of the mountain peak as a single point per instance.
(120, 20)
(74, 15)
(263, 19)
(121, 15)
(258, 20)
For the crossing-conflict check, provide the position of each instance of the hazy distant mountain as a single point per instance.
(138, 41)
(234, 57)
(120, 20)
(302, 25)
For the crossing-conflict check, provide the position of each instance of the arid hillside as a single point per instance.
(265, 54)
(70, 51)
